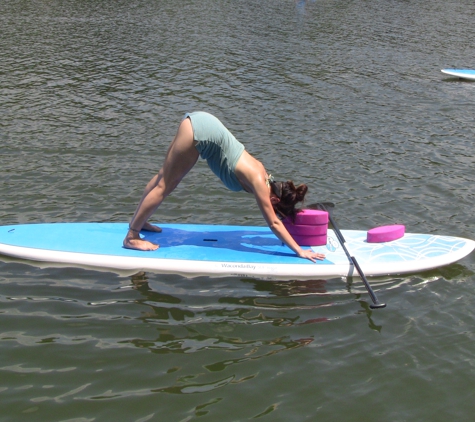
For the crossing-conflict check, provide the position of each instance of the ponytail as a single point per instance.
(291, 194)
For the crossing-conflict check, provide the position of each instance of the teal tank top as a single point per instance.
(217, 145)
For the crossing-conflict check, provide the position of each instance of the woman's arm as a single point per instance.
(252, 176)
(265, 205)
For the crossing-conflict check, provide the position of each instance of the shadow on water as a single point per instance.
(452, 79)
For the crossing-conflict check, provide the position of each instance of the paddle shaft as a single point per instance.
(376, 303)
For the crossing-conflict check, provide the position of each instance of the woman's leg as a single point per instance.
(181, 157)
(150, 185)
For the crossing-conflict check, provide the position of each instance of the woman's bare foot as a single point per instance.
(151, 228)
(133, 241)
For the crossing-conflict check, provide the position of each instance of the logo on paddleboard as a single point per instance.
(332, 244)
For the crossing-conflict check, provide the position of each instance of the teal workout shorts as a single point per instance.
(217, 146)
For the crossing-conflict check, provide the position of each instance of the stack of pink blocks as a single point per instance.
(310, 227)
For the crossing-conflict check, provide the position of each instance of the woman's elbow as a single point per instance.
(275, 225)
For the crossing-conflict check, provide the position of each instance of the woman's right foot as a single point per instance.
(133, 241)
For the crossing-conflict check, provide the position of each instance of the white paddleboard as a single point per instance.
(214, 250)
(461, 73)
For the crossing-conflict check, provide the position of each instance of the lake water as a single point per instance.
(346, 96)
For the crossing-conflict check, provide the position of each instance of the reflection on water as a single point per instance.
(283, 304)
(213, 337)
(301, 9)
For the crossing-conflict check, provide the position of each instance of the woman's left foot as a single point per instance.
(151, 228)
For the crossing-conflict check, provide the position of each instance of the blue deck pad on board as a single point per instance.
(177, 241)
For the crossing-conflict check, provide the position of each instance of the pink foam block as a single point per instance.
(385, 233)
(306, 229)
(311, 217)
(316, 240)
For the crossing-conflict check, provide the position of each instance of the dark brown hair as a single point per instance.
(289, 195)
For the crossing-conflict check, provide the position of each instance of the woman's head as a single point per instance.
(288, 195)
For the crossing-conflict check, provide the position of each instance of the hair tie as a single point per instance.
(269, 180)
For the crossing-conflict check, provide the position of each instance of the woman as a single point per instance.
(203, 134)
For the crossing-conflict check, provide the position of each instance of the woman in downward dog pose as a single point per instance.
(203, 134)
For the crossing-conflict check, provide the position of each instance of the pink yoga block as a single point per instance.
(311, 217)
(306, 229)
(317, 240)
(385, 233)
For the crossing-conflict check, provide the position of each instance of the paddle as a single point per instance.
(327, 206)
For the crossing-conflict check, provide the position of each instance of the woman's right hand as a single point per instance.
(311, 255)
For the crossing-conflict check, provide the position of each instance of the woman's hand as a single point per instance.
(311, 255)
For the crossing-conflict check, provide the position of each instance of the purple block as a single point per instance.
(311, 217)
(306, 229)
(385, 233)
(317, 240)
